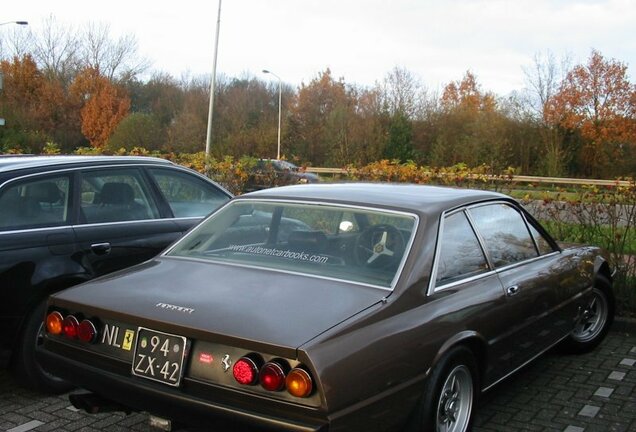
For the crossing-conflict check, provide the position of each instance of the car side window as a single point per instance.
(460, 255)
(35, 203)
(505, 234)
(542, 243)
(187, 195)
(115, 195)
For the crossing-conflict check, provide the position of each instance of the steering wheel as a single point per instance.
(379, 246)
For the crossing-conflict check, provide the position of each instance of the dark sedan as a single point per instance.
(68, 219)
(277, 172)
(332, 307)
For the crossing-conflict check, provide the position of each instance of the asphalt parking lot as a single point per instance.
(586, 393)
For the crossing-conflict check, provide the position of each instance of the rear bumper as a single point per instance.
(196, 403)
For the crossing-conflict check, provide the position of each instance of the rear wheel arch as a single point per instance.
(41, 296)
(470, 340)
(450, 392)
(23, 360)
(603, 281)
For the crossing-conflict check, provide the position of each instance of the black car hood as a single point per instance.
(259, 305)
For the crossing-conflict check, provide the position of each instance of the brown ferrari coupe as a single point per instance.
(331, 307)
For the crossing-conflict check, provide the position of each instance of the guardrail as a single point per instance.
(516, 178)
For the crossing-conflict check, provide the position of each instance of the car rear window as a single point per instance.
(346, 243)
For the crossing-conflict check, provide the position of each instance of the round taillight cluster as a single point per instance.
(275, 375)
(54, 322)
(245, 371)
(70, 327)
(272, 376)
(298, 382)
(87, 331)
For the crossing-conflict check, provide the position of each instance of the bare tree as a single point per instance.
(114, 59)
(403, 93)
(17, 42)
(543, 80)
(55, 50)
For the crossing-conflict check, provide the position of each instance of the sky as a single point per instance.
(358, 40)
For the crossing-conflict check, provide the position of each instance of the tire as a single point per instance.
(450, 394)
(595, 321)
(24, 363)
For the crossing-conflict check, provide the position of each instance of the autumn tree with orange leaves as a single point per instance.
(597, 100)
(32, 105)
(103, 105)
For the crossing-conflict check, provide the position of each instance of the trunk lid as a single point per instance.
(259, 305)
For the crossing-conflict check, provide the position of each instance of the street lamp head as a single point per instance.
(265, 71)
(15, 22)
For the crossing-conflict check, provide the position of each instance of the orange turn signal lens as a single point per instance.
(299, 383)
(54, 322)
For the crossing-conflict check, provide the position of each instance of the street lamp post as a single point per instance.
(280, 95)
(208, 138)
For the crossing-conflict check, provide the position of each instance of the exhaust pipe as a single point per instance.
(93, 403)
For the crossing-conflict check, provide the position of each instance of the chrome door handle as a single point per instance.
(512, 290)
(100, 248)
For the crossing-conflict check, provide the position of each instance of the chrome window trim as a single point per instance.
(171, 166)
(438, 248)
(168, 165)
(449, 285)
(144, 221)
(480, 239)
(466, 209)
(536, 243)
(525, 222)
(491, 272)
(108, 166)
(407, 248)
(80, 226)
(524, 262)
(432, 287)
(84, 168)
(20, 231)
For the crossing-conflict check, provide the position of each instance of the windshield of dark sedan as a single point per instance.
(355, 244)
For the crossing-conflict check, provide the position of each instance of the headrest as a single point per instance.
(117, 193)
(46, 192)
(314, 240)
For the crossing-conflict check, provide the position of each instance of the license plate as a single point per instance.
(159, 356)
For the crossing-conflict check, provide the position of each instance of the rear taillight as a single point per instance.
(70, 326)
(87, 331)
(245, 371)
(272, 376)
(54, 322)
(299, 383)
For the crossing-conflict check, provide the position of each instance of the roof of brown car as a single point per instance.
(420, 198)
